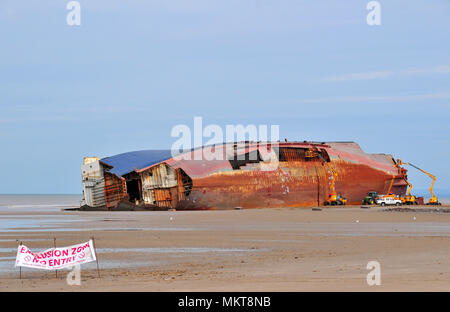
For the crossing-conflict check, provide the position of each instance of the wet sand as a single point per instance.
(285, 249)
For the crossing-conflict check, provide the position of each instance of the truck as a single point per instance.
(387, 200)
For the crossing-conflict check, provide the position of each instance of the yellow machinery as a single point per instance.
(333, 198)
(433, 200)
(409, 199)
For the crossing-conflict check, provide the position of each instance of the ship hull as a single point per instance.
(293, 184)
(298, 178)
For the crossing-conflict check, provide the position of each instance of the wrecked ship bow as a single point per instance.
(250, 175)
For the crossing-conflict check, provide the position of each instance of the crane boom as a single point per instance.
(431, 176)
(390, 185)
(333, 198)
(409, 187)
(427, 173)
(333, 190)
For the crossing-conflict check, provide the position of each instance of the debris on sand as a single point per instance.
(429, 210)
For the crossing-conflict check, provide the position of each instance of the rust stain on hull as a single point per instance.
(294, 184)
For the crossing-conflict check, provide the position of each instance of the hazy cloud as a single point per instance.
(444, 69)
(387, 98)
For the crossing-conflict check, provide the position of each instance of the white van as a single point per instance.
(383, 201)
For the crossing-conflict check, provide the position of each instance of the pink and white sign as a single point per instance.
(56, 258)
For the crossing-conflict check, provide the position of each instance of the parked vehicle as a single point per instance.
(371, 198)
(383, 201)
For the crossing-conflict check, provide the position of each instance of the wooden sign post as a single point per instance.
(20, 268)
(54, 245)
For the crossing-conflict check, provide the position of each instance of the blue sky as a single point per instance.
(134, 69)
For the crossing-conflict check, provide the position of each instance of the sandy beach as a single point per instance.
(284, 249)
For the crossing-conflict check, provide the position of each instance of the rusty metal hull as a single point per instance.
(295, 181)
(293, 184)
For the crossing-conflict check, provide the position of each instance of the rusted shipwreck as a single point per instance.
(248, 176)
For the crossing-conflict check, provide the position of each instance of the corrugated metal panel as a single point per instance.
(94, 192)
(161, 176)
(157, 183)
(149, 197)
(93, 184)
(115, 190)
(163, 197)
